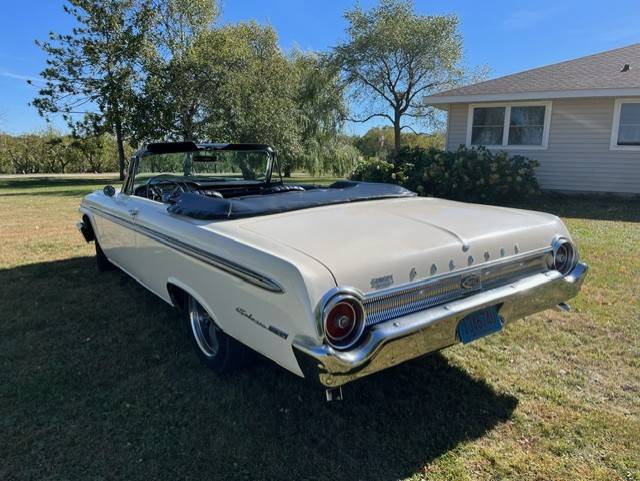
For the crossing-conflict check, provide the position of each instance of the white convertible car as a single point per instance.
(332, 283)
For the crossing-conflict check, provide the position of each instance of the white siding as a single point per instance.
(578, 157)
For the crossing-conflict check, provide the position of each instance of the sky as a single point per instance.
(507, 36)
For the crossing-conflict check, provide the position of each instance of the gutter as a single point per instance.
(439, 100)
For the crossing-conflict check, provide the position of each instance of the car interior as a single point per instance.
(226, 181)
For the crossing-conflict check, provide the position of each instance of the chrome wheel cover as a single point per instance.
(205, 331)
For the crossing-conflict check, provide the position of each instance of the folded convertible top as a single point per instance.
(211, 208)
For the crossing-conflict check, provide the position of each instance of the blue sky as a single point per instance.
(508, 36)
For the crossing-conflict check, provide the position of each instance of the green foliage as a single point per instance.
(394, 57)
(234, 84)
(179, 79)
(335, 156)
(379, 142)
(471, 175)
(320, 108)
(374, 170)
(51, 152)
(95, 69)
(253, 101)
(147, 70)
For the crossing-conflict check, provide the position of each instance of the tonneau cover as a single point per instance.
(210, 208)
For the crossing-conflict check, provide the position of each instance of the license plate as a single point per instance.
(479, 324)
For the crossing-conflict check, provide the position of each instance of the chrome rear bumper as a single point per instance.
(398, 340)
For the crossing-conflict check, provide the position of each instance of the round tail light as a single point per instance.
(564, 255)
(343, 321)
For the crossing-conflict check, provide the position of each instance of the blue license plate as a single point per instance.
(479, 324)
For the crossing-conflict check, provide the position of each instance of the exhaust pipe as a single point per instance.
(564, 307)
(334, 394)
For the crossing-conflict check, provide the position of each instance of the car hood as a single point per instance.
(374, 244)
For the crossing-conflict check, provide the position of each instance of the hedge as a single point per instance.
(472, 175)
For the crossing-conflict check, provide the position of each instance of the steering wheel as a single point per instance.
(154, 191)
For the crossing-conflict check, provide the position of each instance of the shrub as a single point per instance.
(472, 175)
(374, 170)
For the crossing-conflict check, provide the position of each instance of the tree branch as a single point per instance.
(370, 84)
(412, 130)
(386, 116)
(427, 86)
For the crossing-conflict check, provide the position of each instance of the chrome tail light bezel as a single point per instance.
(332, 299)
(559, 244)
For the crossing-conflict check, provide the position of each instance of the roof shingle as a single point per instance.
(599, 71)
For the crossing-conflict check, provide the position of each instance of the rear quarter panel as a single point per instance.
(263, 320)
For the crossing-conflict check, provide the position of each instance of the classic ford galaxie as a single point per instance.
(332, 283)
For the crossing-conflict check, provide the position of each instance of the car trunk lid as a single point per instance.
(375, 244)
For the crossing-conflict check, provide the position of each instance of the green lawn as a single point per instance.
(98, 381)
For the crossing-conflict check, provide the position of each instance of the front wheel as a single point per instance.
(217, 350)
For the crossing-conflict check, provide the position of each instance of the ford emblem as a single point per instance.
(472, 281)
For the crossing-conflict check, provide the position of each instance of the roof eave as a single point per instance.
(546, 94)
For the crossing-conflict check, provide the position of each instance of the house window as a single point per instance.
(488, 125)
(526, 125)
(517, 126)
(625, 133)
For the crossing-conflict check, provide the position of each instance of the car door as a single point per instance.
(153, 222)
(116, 230)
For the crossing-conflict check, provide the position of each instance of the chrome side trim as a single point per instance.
(230, 267)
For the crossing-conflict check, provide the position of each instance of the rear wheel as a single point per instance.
(217, 350)
(101, 260)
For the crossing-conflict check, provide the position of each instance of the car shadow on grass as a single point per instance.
(99, 381)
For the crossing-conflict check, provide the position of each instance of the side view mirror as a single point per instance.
(109, 190)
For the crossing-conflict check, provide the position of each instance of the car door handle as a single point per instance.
(133, 212)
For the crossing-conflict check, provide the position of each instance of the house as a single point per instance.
(580, 119)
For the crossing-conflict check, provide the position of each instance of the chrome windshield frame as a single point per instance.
(186, 147)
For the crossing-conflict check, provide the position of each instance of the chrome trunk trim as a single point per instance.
(381, 306)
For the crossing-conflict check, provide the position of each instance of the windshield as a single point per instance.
(205, 165)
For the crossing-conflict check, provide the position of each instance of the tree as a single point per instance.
(321, 108)
(256, 93)
(94, 153)
(394, 57)
(250, 88)
(50, 151)
(96, 68)
(178, 81)
(379, 141)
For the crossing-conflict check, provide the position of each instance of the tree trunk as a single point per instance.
(120, 142)
(187, 125)
(397, 118)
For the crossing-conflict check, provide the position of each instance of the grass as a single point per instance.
(98, 380)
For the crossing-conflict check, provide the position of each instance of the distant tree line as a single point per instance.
(379, 142)
(133, 71)
(52, 152)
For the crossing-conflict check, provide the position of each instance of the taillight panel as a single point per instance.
(342, 318)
